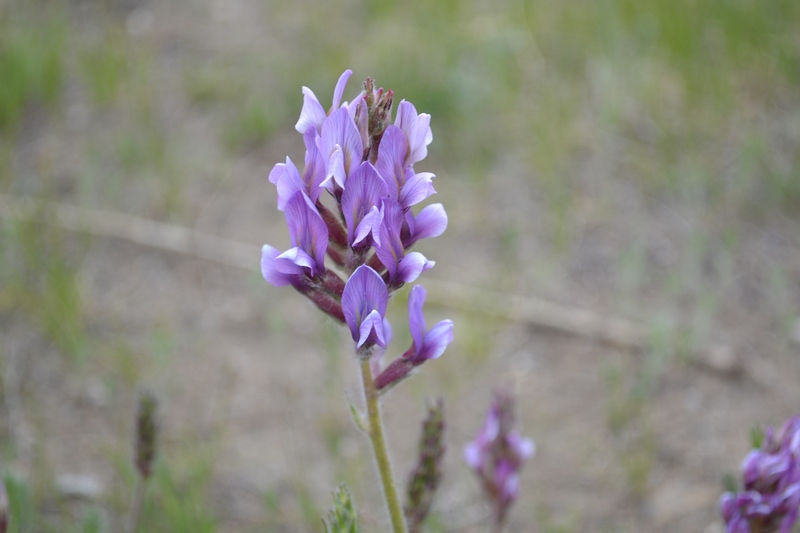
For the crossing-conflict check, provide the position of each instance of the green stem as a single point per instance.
(378, 441)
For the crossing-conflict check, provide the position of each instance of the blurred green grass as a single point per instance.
(689, 104)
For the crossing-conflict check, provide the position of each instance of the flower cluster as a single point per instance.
(771, 495)
(497, 455)
(365, 164)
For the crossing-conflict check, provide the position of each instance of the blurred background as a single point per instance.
(635, 160)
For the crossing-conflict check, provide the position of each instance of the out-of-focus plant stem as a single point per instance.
(378, 441)
(136, 505)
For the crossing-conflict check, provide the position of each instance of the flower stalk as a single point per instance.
(378, 441)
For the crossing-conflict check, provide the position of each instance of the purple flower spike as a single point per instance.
(341, 147)
(417, 129)
(364, 304)
(360, 199)
(497, 455)
(770, 501)
(402, 267)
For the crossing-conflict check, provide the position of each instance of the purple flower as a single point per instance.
(771, 496)
(497, 455)
(403, 184)
(417, 129)
(360, 201)
(341, 147)
(364, 304)
(427, 344)
(430, 222)
(309, 236)
(313, 113)
(389, 247)
(288, 180)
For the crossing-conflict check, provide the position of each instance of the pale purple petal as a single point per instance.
(523, 447)
(387, 331)
(364, 293)
(364, 190)
(411, 266)
(436, 341)
(293, 261)
(370, 225)
(417, 130)
(473, 456)
(334, 169)
(314, 172)
(430, 222)
(312, 114)
(416, 318)
(307, 229)
(391, 157)
(340, 130)
(390, 248)
(287, 180)
(269, 269)
(339, 90)
(371, 329)
(417, 188)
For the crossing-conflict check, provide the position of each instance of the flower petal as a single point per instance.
(314, 172)
(287, 180)
(363, 293)
(411, 266)
(269, 270)
(436, 341)
(364, 190)
(430, 222)
(391, 156)
(307, 229)
(371, 330)
(417, 188)
(339, 90)
(417, 129)
(340, 130)
(312, 114)
(416, 318)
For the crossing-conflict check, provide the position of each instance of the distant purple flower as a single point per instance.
(427, 343)
(771, 497)
(497, 455)
(402, 267)
(364, 304)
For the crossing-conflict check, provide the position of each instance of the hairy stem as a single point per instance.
(378, 441)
